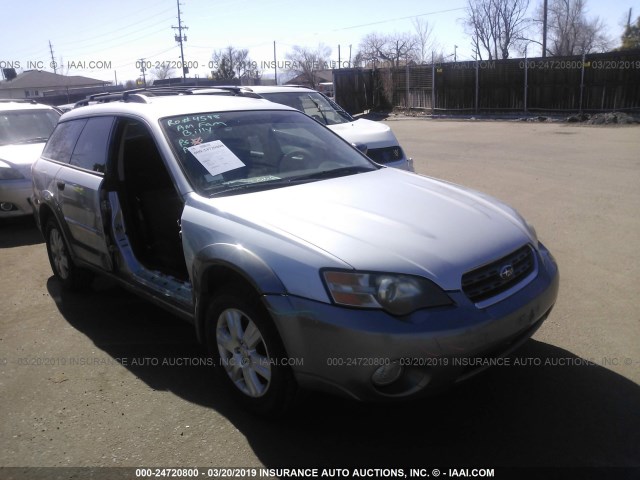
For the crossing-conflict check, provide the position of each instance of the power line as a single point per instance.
(137, 25)
(398, 18)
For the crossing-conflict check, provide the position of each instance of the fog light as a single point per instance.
(387, 374)
(6, 206)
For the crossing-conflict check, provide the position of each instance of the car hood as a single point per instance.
(21, 156)
(372, 134)
(389, 220)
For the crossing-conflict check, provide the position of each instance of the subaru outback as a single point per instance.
(300, 262)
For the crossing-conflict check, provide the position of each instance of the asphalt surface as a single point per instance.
(80, 385)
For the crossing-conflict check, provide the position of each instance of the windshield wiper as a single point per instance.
(326, 122)
(33, 140)
(333, 173)
(252, 186)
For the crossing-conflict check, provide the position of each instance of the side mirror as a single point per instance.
(362, 147)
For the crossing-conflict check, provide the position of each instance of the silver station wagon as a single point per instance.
(300, 262)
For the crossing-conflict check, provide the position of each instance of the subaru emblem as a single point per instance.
(506, 272)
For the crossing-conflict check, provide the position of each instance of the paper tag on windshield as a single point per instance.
(216, 157)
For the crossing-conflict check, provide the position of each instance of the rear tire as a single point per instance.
(248, 353)
(70, 276)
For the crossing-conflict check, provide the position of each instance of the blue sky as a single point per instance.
(103, 39)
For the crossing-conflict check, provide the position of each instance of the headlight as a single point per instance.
(397, 294)
(8, 173)
(533, 233)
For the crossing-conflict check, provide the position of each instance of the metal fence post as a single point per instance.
(407, 69)
(525, 80)
(581, 83)
(477, 84)
(433, 85)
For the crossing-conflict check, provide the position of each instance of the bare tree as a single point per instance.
(570, 32)
(305, 62)
(425, 44)
(162, 72)
(233, 63)
(496, 26)
(389, 49)
(370, 47)
(631, 36)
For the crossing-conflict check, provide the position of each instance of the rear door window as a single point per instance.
(63, 140)
(92, 146)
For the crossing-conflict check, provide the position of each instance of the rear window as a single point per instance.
(26, 126)
(311, 103)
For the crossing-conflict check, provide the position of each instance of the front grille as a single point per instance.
(492, 279)
(385, 155)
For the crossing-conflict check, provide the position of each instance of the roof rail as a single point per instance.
(230, 89)
(141, 95)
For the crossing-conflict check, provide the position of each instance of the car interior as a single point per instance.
(151, 205)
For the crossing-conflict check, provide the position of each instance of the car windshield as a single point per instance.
(234, 152)
(313, 104)
(26, 126)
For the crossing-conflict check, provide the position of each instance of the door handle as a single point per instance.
(61, 185)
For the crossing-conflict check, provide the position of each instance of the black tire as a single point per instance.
(243, 359)
(70, 276)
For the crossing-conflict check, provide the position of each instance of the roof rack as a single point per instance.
(141, 95)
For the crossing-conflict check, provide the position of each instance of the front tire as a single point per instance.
(250, 358)
(71, 277)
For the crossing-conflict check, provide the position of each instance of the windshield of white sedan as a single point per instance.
(26, 126)
(231, 152)
(313, 104)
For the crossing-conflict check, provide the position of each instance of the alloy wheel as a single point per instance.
(243, 352)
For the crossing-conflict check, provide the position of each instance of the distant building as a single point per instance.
(39, 83)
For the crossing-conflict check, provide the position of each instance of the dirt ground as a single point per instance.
(99, 379)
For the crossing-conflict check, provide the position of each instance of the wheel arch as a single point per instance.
(46, 212)
(219, 266)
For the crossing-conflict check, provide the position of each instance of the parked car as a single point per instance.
(382, 146)
(300, 262)
(25, 126)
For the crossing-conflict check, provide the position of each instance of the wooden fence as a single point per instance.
(595, 82)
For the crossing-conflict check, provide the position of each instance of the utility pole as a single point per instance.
(53, 62)
(275, 63)
(455, 53)
(181, 38)
(143, 69)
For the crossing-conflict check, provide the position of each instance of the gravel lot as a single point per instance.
(72, 395)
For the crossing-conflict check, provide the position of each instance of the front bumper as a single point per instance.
(338, 349)
(16, 193)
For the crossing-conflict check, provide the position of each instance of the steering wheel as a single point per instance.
(293, 160)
